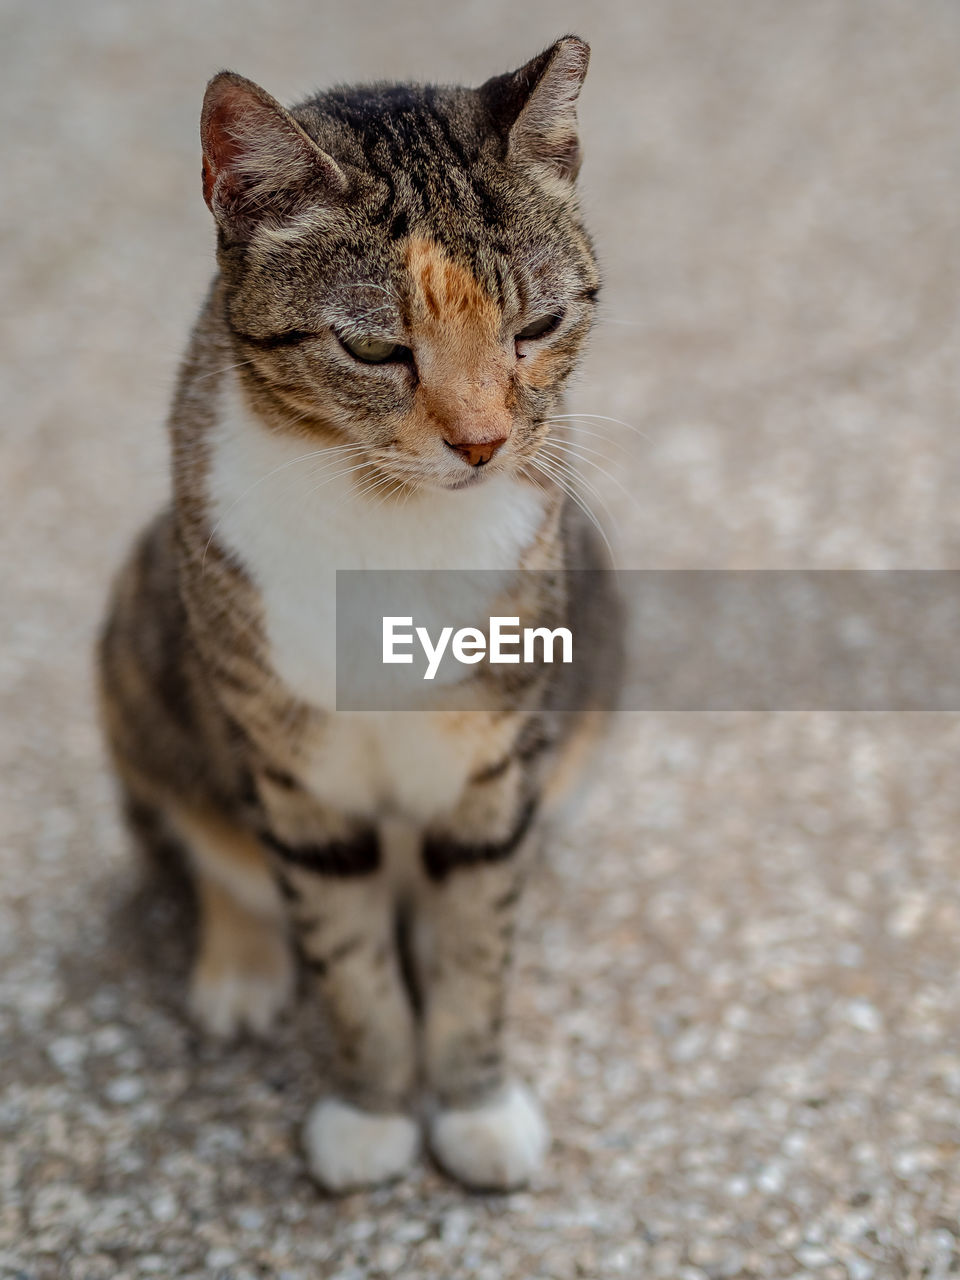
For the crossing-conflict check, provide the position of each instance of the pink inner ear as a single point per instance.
(256, 158)
(220, 147)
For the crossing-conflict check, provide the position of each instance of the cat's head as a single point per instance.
(404, 266)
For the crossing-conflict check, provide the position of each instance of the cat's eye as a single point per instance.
(539, 328)
(374, 350)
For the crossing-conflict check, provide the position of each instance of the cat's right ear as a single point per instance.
(257, 161)
(535, 108)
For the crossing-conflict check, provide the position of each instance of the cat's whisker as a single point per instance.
(577, 479)
(312, 492)
(240, 364)
(337, 456)
(322, 468)
(378, 480)
(579, 501)
(371, 490)
(330, 449)
(566, 468)
(553, 442)
(574, 496)
(558, 471)
(573, 452)
(410, 491)
(633, 324)
(601, 417)
(310, 412)
(338, 475)
(581, 430)
(395, 488)
(553, 448)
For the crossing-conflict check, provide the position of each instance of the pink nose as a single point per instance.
(478, 452)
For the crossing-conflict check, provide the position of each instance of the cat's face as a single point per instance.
(406, 269)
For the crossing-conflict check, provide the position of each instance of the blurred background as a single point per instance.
(737, 982)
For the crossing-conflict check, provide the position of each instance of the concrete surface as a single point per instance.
(737, 983)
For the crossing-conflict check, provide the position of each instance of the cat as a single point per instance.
(404, 287)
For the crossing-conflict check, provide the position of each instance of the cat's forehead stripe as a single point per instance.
(447, 291)
(449, 304)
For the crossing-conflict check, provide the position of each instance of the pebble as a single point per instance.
(220, 1257)
(860, 1269)
(906, 918)
(109, 1040)
(164, 1207)
(68, 1052)
(863, 1015)
(249, 1219)
(124, 1089)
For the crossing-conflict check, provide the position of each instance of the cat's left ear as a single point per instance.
(536, 108)
(257, 160)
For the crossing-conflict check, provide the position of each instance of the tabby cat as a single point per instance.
(404, 286)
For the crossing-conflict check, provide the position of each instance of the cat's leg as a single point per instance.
(243, 973)
(486, 1127)
(343, 911)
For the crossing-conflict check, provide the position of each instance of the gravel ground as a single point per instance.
(737, 981)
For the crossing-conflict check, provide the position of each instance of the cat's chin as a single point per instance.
(467, 482)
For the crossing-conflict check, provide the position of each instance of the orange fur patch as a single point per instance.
(464, 363)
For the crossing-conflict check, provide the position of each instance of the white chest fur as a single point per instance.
(293, 518)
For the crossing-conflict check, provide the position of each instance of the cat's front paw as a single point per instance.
(496, 1146)
(246, 994)
(348, 1148)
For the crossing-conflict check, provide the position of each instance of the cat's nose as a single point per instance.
(477, 452)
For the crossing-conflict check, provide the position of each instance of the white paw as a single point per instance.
(496, 1146)
(240, 999)
(348, 1148)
